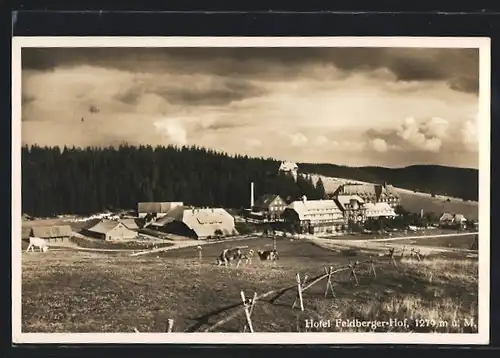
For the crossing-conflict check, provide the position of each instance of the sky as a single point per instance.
(388, 107)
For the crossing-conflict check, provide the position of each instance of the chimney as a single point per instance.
(421, 213)
(304, 199)
(251, 195)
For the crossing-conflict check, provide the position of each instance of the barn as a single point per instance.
(200, 223)
(156, 209)
(110, 230)
(51, 234)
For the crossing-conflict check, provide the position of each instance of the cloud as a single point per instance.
(252, 143)
(172, 131)
(378, 144)
(321, 105)
(321, 140)
(458, 68)
(298, 140)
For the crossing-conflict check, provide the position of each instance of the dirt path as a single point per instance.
(190, 243)
(379, 243)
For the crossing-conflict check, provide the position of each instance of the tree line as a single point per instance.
(88, 180)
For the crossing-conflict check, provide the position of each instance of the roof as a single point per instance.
(129, 223)
(52, 231)
(288, 166)
(369, 191)
(203, 221)
(346, 199)
(157, 207)
(104, 226)
(378, 209)
(266, 200)
(316, 209)
(452, 217)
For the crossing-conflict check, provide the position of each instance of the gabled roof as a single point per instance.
(129, 223)
(288, 166)
(319, 208)
(52, 231)
(343, 200)
(370, 191)
(379, 209)
(104, 226)
(266, 200)
(203, 221)
(453, 217)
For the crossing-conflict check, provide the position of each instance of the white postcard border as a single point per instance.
(482, 337)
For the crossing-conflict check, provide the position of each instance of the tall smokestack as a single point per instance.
(251, 195)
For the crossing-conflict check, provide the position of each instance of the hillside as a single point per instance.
(440, 180)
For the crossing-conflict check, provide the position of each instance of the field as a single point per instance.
(74, 291)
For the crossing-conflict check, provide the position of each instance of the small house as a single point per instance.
(270, 206)
(52, 234)
(448, 220)
(110, 230)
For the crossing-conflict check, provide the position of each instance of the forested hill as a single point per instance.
(456, 182)
(84, 181)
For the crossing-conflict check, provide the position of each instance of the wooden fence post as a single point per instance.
(299, 294)
(170, 325)
(247, 311)
(353, 266)
(200, 252)
(329, 282)
(252, 304)
(372, 269)
(391, 257)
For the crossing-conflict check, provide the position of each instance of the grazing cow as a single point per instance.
(268, 255)
(37, 242)
(248, 256)
(228, 255)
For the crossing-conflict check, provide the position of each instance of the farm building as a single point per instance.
(353, 208)
(270, 205)
(378, 210)
(315, 216)
(199, 223)
(156, 209)
(110, 230)
(448, 220)
(130, 223)
(52, 234)
(289, 168)
(371, 193)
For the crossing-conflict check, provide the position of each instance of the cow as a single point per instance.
(270, 255)
(228, 255)
(37, 242)
(248, 256)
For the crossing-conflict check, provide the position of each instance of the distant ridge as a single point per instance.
(434, 179)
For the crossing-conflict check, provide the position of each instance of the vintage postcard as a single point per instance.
(251, 190)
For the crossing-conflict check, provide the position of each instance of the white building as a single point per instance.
(289, 168)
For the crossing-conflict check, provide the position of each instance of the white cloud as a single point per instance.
(172, 130)
(469, 132)
(298, 139)
(379, 144)
(411, 132)
(321, 140)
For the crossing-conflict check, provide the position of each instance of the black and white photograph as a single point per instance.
(225, 190)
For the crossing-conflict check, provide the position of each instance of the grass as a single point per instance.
(455, 242)
(125, 245)
(96, 292)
